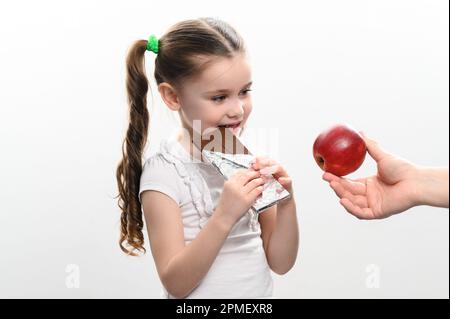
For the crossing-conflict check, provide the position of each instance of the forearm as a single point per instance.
(432, 186)
(186, 269)
(284, 240)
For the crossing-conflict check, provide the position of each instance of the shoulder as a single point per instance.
(157, 161)
(160, 174)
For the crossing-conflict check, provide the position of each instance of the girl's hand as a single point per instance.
(239, 194)
(392, 190)
(267, 166)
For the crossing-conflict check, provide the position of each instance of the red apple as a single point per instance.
(339, 150)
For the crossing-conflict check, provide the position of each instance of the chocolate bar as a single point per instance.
(220, 147)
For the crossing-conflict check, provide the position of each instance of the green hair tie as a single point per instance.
(153, 44)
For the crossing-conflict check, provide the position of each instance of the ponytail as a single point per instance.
(129, 170)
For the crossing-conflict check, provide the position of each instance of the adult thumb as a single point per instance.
(373, 148)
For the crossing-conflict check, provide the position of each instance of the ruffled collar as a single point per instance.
(175, 149)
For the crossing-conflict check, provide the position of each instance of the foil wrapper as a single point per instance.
(228, 162)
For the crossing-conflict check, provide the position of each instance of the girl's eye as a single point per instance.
(223, 97)
(218, 98)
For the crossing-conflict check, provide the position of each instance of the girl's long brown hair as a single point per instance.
(184, 51)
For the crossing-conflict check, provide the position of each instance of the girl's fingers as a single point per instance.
(245, 176)
(253, 184)
(262, 161)
(255, 163)
(256, 192)
(268, 166)
(278, 171)
(270, 169)
(286, 182)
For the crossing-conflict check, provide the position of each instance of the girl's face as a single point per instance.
(219, 96)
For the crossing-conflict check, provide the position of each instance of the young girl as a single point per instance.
(205, 240)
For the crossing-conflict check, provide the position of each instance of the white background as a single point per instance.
(381, 66)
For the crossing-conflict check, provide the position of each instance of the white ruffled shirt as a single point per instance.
(240, 269)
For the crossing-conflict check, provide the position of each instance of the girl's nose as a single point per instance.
(237, 111)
